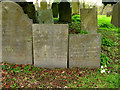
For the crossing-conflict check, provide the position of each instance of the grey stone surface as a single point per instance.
(43, 5)
(64, 11)
(75, 7)
(0, 32)
(50, 43)
(107, 8)
(16, 34)
(84, 50)
(45, 16)
(55, 9)
(116, 15)
(89, 20)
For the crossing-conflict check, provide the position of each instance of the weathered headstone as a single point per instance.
(64, 11)
(75, 7)
(45, 16)
(89, 20)
(84, 50)
(16, 34)
(107, 8)
(116, 15)
(29, 9)
(43, 5)
(55, 9)
(50, 43)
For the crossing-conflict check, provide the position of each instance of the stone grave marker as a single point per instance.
(45, 16)
(16, 34)
(43, 5)
(75, 7)
(50, 44)
(64, 11)
(29, 9)
(116, 15)
(89, 20)
(55, 9)
(107, 8)
(84, 50)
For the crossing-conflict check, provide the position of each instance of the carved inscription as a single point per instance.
(50, 45)
(84, 50)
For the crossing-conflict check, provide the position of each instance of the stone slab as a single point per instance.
(75, 7)
(45, 16)
(64, 11)
(16, 34)
(107, 8)
(29, 9)
(50, 43)
(43, 5)
(84, 50)
(89, 20)
(116, 15)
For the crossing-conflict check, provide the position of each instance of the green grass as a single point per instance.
(17, 76)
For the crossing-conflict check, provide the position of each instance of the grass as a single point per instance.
(28, 76)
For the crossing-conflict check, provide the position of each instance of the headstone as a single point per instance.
(0, 32)
(107, 8)
(84, 50)
(64, 11)
(75, 7)
(29, 9)
(45, 16)
(109, 14)
(52, 41)
(43, 5)
(55, 9)
(16, 34)
(89, 20)
(116, 15)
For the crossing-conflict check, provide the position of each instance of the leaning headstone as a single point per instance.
(50, 43)
(84, 50)
(43, 5)
(16, 34)
(75, 7)
(89, 20)
(116, 15)
(64, 11)
(45, 16)
(55, 9)
(107, 8)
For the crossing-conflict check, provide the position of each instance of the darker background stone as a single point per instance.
(55, 9)
(64, 11)
(29, 9)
